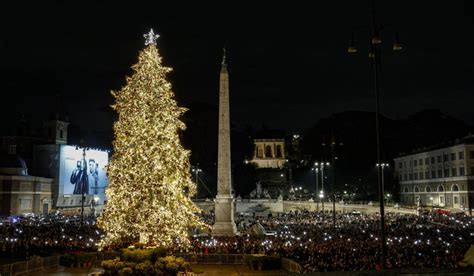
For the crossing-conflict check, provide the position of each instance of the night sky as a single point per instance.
(288, 62)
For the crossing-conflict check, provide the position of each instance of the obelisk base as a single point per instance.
(224, 210)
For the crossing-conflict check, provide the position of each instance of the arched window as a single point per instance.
(278, 151)
(405, 190)
(416, 189)
(427, 189)
(268, 151)
(440, 188)
(455, 188)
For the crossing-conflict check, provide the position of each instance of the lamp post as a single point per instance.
(319, 166)
(381, 167)
(374, 56)
(83, 199)
(321, 197)
(333, 179)
(196, 170)
(316, 174)
(388, 198)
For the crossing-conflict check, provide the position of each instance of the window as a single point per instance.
(439, 158)
(405, 190)
(410, 176)
(11, 149)
(415, 163)
(268, 151)
(461, 171)
(427, 161)
(416, 189)
(405, 178)
(405, 164)
(427, 175)
(440, 188)
(455, 188)
(453, 172)
(259, 152)
(440, 173)
(427, 189)
(441, 199)
(400, 165)
(445, 158)
(461, 155)
(415, 176)
(472, 154)
(453, 156)
(433, 174)
(446, 172)
(61, 134)
(421, 175)
(420, 162)
(278, 153)
(432, 160)
(409, 164)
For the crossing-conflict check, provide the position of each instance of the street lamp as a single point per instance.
(381, 167)
(84, 179)
(388, 198)
(196, 170)
(320, 166)
(374, 55)
(321, 197)
(316, 174)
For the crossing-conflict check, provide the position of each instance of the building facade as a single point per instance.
(438, 178)
(270, 161)
(269, 153)
(21, 193)
(39, 172)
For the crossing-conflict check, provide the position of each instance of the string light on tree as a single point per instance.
(150, 187)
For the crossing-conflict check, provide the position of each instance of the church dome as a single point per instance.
(12, 164)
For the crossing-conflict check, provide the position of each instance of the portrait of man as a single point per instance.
(94, 176)
(79, 178)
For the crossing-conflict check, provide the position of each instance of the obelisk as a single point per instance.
(224, 203)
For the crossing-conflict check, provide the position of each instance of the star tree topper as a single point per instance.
(150, 38)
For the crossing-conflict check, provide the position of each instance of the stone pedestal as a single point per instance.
(224, 224)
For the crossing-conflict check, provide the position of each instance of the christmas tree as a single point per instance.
(150, 187)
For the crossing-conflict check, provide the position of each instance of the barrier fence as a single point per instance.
(290, 265)
(29, 266)
(53, 261)
(212, 258)
(286, 264)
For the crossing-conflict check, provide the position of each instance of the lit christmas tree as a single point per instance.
(150, 187)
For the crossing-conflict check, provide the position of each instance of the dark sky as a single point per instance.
(288, 61)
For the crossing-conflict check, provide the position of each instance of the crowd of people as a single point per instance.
(23, 238)
(309, 238)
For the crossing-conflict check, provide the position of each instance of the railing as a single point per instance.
(286, 264)
(290, 265)
(212, 258)
(29, 266)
